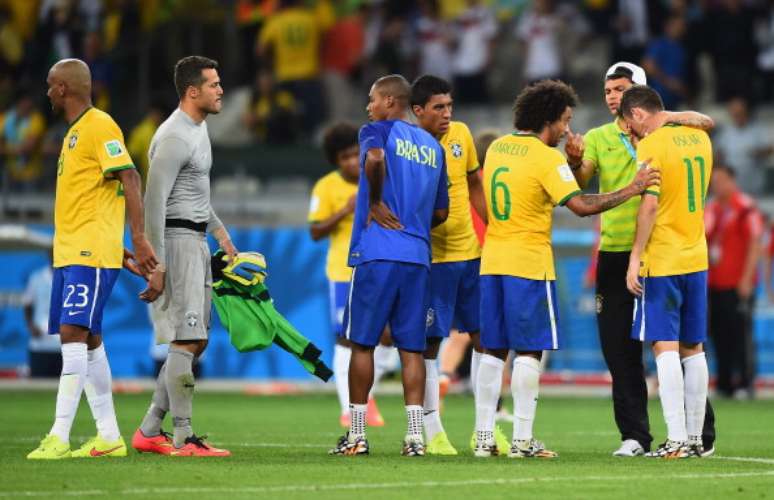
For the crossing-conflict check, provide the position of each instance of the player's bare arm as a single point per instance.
(476, 194)
(375, 172)
(646, 218)
(143, 252)
(221, 235)
(746, 285)
(692, 119)
(439, 216)
(320, 230)
(583, 170)
(590, 204)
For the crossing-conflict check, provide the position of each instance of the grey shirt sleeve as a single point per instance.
(214, 223)
(169, 156)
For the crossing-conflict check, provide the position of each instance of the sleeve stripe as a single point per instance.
(116, 169)
(567, 198)
(654, 193)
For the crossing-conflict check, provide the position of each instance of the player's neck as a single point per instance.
(398, 115)
(196, 114)
(74, 109)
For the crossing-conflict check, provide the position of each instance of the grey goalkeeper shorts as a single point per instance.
(184, 310)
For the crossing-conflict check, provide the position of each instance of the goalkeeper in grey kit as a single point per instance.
(177, 217)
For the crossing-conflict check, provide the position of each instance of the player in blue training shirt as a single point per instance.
(402, 193)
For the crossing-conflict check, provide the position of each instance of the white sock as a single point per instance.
(382, 357)
(432, 417)
(414, 417)
(475, 361)
(341, 356)
(525, 385)
(696, 382)
(672, 393)
(357, 421)
(488, 385)
(71, 382)
(99, 393)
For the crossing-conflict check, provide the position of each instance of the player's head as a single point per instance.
(341, 148)
(739, 111)
(389, 97)
(638, 106)
(483, 140)
(723, 183)
(197, 82)
(545, 105)
(619, 77)
(68, 79)
(431, 103)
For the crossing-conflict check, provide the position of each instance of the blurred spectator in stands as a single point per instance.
(11, 44)
(729, 34)
(60, 32)
(433, 41)
(44, 349)
(665, 62)
(51, 149)
(631, 29)
(101, 70)
(764, 34)
(744, 144)
(475, 30)
(140, 139)
(342, 57)
(291, 40)
(272, 114)
(734, 228)
(21, 135)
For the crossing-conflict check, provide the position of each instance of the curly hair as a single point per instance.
(541, 104)
(337, 138)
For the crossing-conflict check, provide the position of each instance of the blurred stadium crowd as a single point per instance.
(290, 66)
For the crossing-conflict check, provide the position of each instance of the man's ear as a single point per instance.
(417, 109)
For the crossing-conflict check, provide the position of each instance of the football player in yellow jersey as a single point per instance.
(524, 178)
(668, 267)
(454, 291)
(331, 213)
(96, 184)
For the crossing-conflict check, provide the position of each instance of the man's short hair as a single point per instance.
(188, 72)
(640, 96)
(396, 86)
(425, 87)
(337, 138)
(541, 104)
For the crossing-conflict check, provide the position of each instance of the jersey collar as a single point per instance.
(79, 117)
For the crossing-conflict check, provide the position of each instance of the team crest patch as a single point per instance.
(430, 318)
(456, 149)
(73, 140)
(565, 173)
(114, 148)
(191, 319)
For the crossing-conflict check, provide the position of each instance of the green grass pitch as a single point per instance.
(280, 444)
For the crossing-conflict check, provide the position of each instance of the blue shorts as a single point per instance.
(518, 313)
(78, 297)
(338, 292)
(386, 292)
(672, 308)
(455, 297)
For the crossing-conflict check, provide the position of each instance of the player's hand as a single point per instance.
(155, 286)
(745, 289)
(228, 246)
(350, 206)
(130, 264)
(382, 215)
(145, 256)
(646, 177)
(633, 278)
(574, 148)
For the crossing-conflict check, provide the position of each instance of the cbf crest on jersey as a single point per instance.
(456, 149)
(73, 140)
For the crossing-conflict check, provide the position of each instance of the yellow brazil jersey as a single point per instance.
(89, 207)
(523, 180)
(677, 244)
(455, 240)
(329, 195)
(294, 35)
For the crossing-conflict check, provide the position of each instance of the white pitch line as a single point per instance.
(385, 486)
(755, 460)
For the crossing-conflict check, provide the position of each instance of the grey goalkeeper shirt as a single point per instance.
(178, 184)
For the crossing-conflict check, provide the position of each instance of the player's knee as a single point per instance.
(73, 333)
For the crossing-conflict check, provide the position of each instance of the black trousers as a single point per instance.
(731, 333)
(45, 364)
(623, 355)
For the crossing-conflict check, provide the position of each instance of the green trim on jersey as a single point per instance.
(616, 169)
(567, 198)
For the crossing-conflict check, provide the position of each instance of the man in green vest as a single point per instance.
(609, 151)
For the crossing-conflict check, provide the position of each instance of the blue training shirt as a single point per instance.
(415, 185)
